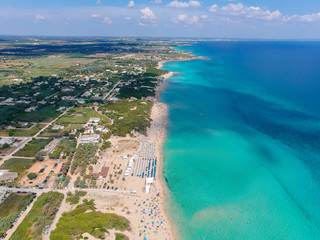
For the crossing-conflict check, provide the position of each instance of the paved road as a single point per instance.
(111, 91)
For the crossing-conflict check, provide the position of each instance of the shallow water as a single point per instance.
(242, 150)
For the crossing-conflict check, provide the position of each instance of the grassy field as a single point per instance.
(32, 148)
(22, 132)
(11, 208)
(85, 219)
(80, 116)
(18, 165)
(45, 114)
(41, 214)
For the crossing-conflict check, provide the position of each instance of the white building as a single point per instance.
(57, 127)
(94, 121)
(92, 138)
(149, 182)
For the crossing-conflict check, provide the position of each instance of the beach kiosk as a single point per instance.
(149, 182)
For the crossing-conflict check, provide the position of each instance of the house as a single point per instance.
(104, 171)
(102, 129)
(94, 121)
(88, 129)
(6, 176)
(57, 127)
(31, 109)
(80, 100)
(61, 109)
(6, 141)
(92, 138)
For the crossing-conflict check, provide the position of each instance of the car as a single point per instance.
(108, 187)
(112, 187)
(104, 185)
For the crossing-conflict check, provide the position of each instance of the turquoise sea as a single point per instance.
(242, 154)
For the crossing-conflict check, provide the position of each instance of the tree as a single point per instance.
(6, 145)
(32, 176)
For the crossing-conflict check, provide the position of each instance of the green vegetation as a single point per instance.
(45, 114)
(120, 236)
(106, 145)
(80, 116)
(41, 214)
(66, 145)
(33, 147)
(85, 219)
(18, 165)
(22, 132)
(84, 157)
(32, 176)
(11, 208)
(130, 116)
(74, 198)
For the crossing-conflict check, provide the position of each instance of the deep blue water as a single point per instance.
(242, 151)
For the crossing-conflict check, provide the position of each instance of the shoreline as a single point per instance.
(160, 141)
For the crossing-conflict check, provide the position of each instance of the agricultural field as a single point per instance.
(31, 67)
(32, 148)
(45, 114)
(80, 116)
(11, 208)
(22, 132)
(85, 219)
(42, 214)
(130, 116)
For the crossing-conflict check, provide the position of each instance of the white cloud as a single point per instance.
(214, 8)
(95, 15)
(304, 18)
(147, 14)
(177, 4)
(183, 18)
(99, 2)
(204, 16)
(131, 4)
(194, 3)
(158, 1)
(239, 10)
(39, 17)
(107, 20)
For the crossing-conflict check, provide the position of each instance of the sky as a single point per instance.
(258, 19)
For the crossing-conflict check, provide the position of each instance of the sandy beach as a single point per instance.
(126, 195)
(145, 211)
